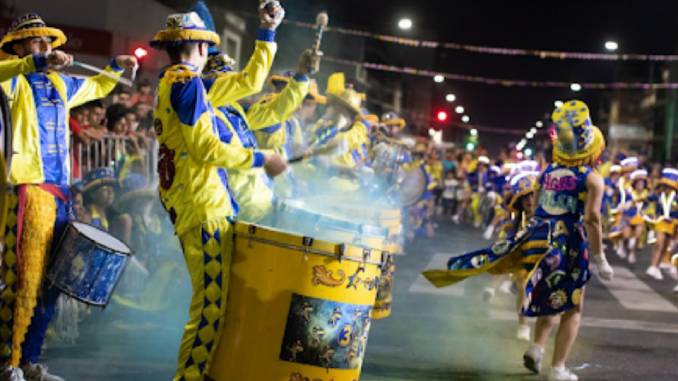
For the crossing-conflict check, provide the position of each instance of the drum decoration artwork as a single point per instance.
(382, 306)
(87, 264)
(299, 308)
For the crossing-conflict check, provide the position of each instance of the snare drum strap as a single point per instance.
(56, 191)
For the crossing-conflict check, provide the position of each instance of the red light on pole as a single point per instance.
(140, 52)
(441, 116)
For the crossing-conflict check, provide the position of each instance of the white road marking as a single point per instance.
(423, 286)
(634, 294)
(594, 322)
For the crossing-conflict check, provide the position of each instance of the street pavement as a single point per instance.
(629, 330)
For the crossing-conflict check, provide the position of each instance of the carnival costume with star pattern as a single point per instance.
(553, 249)
(40, 101)
(194, 186)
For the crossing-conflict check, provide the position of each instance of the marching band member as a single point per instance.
(634, 211)
(40, 100)
(193, 188)
(555, 248)
(477, 178)
(664, 225)
(272, 116)
(620, 196)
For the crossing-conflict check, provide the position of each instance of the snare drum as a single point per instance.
(88, 263)
(299, 308)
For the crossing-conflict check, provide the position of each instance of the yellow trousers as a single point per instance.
(23, 276)
(207, 251)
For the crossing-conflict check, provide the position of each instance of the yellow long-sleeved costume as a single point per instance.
(40, 101)
(271, 117)
(194, 189)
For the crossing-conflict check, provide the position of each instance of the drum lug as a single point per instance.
(307, 242)
(342, 252)
(251, 231)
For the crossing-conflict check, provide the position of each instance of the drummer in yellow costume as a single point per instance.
(40, 100)
(193, 187)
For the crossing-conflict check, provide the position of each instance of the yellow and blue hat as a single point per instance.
(578, 140)
(97, 178)
(638, 175)
(184, 27)
(392, 119)
(629, 164)
(669, 178)
(522, 184)
(28, 26)
(219, 63)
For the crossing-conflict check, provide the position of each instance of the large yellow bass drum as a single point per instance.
(298, 308)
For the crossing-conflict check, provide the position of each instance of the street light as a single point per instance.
(459, 110)
(575, 87)
(405, 24)
(558, 104)
(465, 118)
(528, 152)
(611, 45)
(474, 132)
(533, 130)
(438, 78)
(539, 124)
(450, 97)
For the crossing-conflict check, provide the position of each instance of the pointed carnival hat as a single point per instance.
(28, 26)
(182, 28)
(578, 141)
(338, 93)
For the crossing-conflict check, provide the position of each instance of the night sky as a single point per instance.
(639, 27)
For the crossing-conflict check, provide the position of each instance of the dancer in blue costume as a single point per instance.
(554, 247)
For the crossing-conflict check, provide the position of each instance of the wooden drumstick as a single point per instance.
(321, 22)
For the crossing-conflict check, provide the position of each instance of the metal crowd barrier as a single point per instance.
(107, 152)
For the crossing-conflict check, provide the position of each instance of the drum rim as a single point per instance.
(74, 225)
(308, 249)
(81, 300)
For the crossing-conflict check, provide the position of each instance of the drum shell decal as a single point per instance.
(325, 333)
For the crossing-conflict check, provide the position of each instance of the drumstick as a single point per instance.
(103, 72)
(333, 148)
(321, 22)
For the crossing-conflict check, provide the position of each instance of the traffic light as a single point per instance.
(441, 116)
(140, 52)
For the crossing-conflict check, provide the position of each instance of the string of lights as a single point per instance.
(506, 82)
(479, 49)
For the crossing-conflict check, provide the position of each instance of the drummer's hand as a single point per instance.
(309, 61)
(127, 62)
(275, 165)
(58, 59)
(271, 14)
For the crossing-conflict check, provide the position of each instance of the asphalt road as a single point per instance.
(630, 330)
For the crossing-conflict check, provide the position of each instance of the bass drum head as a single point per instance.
(102, 238)
(411, 186)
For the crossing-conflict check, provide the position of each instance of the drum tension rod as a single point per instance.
(342, 250)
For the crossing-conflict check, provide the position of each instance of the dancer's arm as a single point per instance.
(592, 223)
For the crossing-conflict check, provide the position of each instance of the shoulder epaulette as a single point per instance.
(179, 73)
